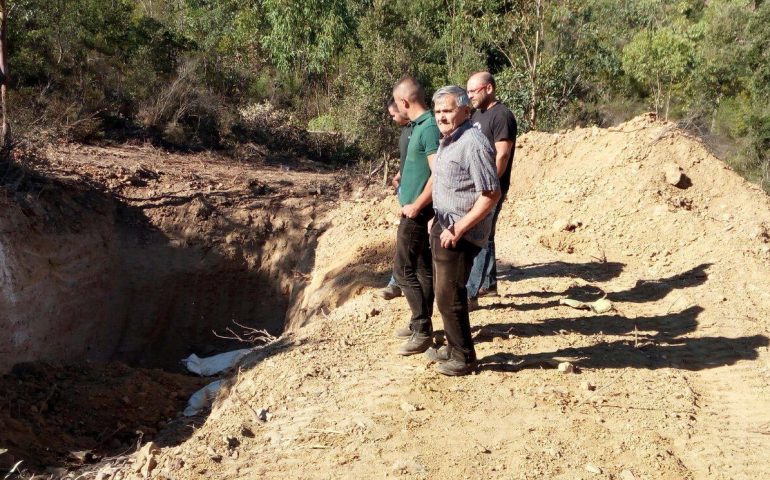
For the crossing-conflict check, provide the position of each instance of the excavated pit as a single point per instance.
(121, 268)
(90, 275)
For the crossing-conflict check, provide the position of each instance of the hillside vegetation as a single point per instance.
(180, 72)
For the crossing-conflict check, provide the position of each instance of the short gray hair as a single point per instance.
(461, 96)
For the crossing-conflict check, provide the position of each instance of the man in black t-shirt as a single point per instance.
(497, 123)
(392, 290)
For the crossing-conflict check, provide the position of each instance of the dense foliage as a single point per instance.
(179, 71)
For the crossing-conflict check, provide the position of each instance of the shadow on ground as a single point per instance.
(642, 291)
(686, 354)
(589, 271)
(652, 342)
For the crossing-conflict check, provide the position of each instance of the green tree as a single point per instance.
(307, 35)
(661, 59)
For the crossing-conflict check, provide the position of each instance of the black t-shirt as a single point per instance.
(497, 124)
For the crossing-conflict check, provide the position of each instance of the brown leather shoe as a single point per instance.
(473, 304)
(488, 292)
(437, 354)
(403, 332)
(417, 343)
(390, 292)
(456, 364)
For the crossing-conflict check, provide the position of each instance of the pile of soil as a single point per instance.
(657, 387)
(641, 215)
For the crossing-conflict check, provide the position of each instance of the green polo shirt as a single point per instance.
(423, 142)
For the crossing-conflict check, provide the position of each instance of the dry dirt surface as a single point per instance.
(74, 415)
(672, 383)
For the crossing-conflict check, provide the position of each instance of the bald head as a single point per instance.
(410, 97)
(409, 88)
(482, 78)
(481, 90)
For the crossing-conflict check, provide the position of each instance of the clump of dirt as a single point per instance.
(77, 414)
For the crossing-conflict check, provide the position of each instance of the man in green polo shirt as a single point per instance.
(412, 265)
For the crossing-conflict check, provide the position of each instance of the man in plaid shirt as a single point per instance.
(465, 191)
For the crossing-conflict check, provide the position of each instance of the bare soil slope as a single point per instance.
(674, 383)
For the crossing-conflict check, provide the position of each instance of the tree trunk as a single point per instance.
(535, 63)
(5, 139)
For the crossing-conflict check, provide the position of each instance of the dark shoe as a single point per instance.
(418, 342)
(403, 332)
(390, 292)
(488, 292)
(456, 364)
(473, 304)
(437, 354)
(455, 368)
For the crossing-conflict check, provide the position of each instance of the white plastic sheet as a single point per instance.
(209, 366)
(202, 399)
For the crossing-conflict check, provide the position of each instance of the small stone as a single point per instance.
(673, 173)
(407, 467)
(627, 475)
(482, 448)
(232, 442)
(104, 474)
(264, 415)
(145, 456)
(590, 467)
(587, 386)
(149, 466)
(408, 407)
(275, 438)
(566, 367)
(214, 456)
(83, 456)
(57, 472)
(560, 225)
(177, 464)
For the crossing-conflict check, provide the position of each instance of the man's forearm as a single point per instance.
(502, 154)
(483, 205)
(426, 196)
(500, 163)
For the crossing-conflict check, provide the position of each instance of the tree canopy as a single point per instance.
(181, 69)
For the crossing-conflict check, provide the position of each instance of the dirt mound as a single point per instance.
(616, 188)
(658, 386)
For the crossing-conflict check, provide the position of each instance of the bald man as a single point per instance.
(412, 265)
(498, 124)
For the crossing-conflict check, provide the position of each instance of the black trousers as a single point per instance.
(413, 269)
(451, 269)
